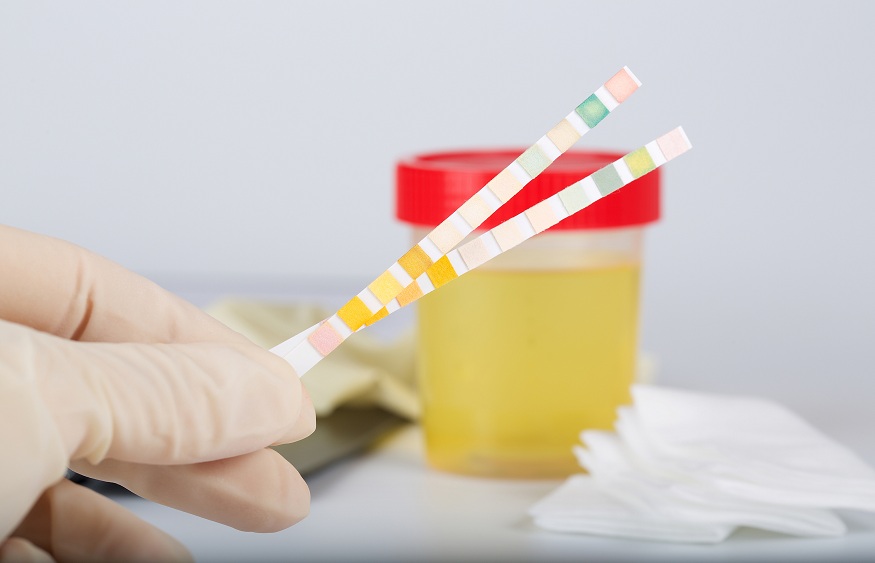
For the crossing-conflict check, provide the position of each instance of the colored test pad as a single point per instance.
(435, 261)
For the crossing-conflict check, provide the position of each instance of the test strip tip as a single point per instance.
(632, 75)
(674, 143)
(683, 134)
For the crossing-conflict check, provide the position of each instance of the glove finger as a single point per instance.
(59, 288)
(72, 523)
(163, 403)
(19, 550)
(256, 492)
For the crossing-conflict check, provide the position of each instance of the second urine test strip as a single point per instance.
(317, 342)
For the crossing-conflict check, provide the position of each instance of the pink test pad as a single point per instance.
(325, 339)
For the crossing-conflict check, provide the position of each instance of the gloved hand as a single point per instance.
(107, 373)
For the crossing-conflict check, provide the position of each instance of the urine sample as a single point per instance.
(519, 356)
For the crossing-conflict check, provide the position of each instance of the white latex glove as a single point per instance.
(107, 373)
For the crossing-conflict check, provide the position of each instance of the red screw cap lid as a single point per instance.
(429, 187)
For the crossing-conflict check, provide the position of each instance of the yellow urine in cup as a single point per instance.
(514, 364)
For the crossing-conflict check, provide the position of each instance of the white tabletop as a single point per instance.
(387, 505)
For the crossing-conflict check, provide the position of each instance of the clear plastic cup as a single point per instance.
(518, 356)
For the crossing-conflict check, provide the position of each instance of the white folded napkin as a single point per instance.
(692, 467)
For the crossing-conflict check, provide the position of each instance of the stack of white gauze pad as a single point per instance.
(692, 467)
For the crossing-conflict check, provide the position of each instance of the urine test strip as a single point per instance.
(308, 348)
(371, 302)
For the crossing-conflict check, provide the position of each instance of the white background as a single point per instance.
(254, 142)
